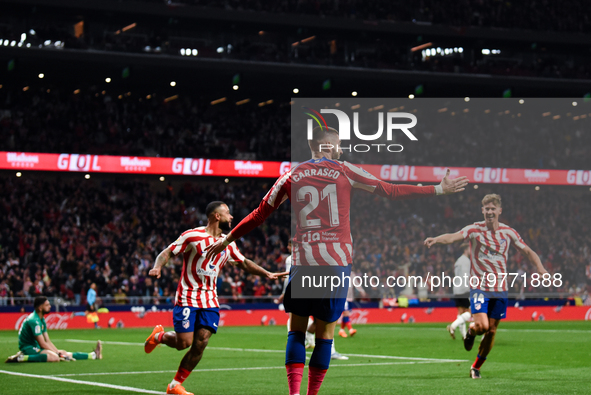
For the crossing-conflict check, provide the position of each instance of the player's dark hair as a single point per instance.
(39, 300)
(211, 207)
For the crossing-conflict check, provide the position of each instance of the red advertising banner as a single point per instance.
(13, 321)
(238, 168)
(141, 165)
(448, 314)
(481, 175)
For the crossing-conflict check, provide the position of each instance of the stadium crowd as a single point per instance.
(59, 235)
(553, 223)
(570, 15)
(94, 123)
(319, 47)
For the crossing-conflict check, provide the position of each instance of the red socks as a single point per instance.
(294, 377)
(159, 337)
(315, 378)
(181, 375)
(479, 361)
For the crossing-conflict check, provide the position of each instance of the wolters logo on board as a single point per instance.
(22, 159)
(344, 129)
(248, 167)
(135, 164)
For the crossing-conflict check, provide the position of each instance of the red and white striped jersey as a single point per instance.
(197, 285)
(320, 193)
(489, 250)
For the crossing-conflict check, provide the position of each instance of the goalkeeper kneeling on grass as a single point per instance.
(34, 342)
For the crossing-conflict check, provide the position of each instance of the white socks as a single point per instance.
(310, 338)
(92, 355)
(461, 323)
(174, 383)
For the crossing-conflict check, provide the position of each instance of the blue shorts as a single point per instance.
(327, 307)
(348, 306)
(485, 302)
(187, 319)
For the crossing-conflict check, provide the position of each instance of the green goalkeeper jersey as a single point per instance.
(32, 327)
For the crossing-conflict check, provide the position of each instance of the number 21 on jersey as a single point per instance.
(329, 193)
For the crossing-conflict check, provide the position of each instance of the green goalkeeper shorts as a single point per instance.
(31, 350)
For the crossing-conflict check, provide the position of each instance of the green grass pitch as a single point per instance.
(528, 358)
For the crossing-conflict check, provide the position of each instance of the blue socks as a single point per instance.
(321, 355)
(295, 352)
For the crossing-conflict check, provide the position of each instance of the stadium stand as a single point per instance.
(59, 235)
(95, 123)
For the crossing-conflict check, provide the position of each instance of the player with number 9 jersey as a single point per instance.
(196, 309)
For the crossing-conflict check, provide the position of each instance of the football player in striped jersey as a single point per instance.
(196, 311)
(489, 249)
(320, 193)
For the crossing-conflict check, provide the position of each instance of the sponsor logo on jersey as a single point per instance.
(210, 272)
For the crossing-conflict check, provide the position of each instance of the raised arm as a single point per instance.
(272, 200)
(360, 179)
(251, 221)
(447, 238)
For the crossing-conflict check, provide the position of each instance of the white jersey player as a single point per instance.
(462, 293)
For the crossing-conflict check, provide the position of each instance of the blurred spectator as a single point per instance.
(121, 296)
(114, 226)
(60, 122)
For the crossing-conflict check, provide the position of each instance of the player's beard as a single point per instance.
(225, 226)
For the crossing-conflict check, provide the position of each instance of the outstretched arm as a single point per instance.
(161, 260)
(447, 238)
(252, 220)
(363, 180)
(533, 258)
(250, 267)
